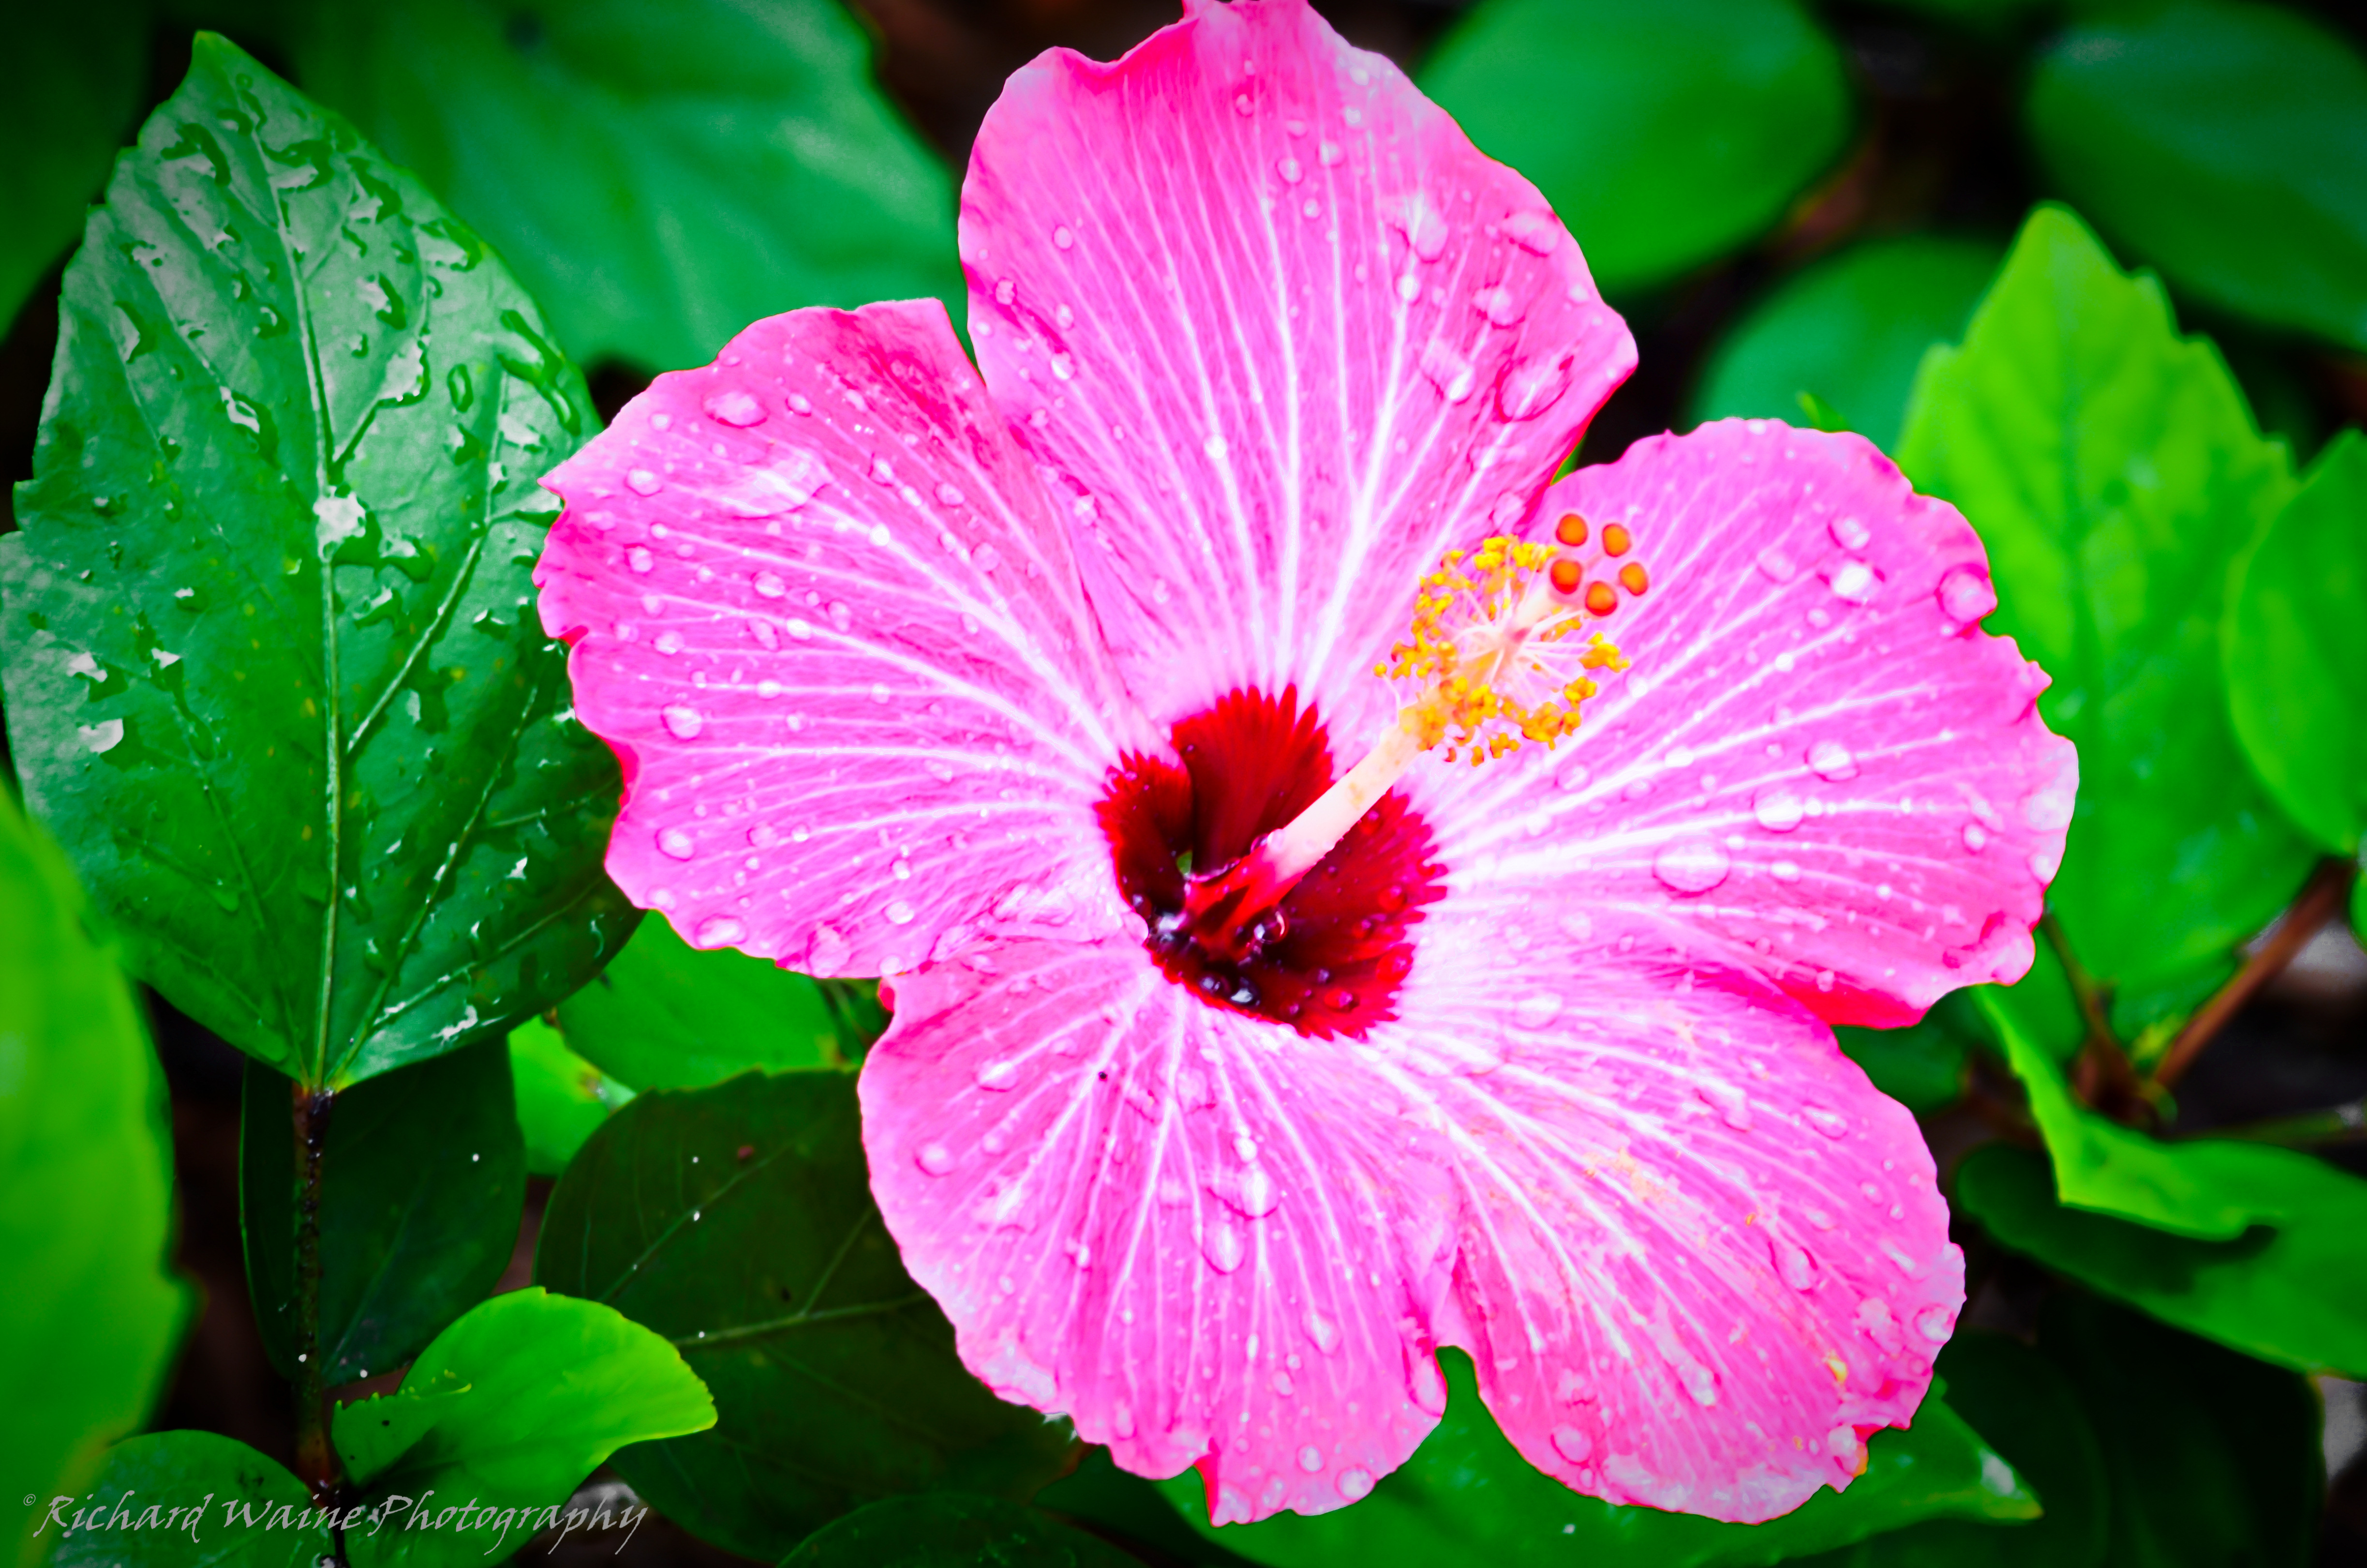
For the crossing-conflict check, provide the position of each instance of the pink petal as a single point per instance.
(1198, 1234)
(1263, 439)
(1819, 767)
(819, 605)
(1700, 1258)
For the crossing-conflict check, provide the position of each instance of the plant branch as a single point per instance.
(2102, 1074)
(316, 1460)
(2320, 897)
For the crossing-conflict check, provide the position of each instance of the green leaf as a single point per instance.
(515, 1405)
(423, 1179)
(1664, 135)
(254, 1515)
(92, 1311)
(668, 1016)
(1466, 1495)
(2288, 1293)
(737, 1221)
(657, 177)
(2020, 1404)
(562, 1098)
(2114, 473)
(70, 83)
(2211, 1457)
(1921, 1066)
(1848, 331)
(273, 673)
(2225, 144)
(1134, 1510)
(2296, 650)
(950, 1531)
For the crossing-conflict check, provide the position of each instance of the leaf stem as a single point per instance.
(316, 1460)
(2102, 1073)
(2324, 893)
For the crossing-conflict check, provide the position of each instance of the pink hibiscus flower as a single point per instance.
(1224, 1086)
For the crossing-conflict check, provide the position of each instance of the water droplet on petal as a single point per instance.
(1976, 838)
(1848, 532)
(1062, 238)
(640, 559)
(1288, 169)
(1572, 1444)
(1220, 1243)
(1799, 1271)
(737, 408)
(1355, 1484)
(769, 585)
(1785, 871)
(997, 1073)
(1966, 594)
(826, 950)
(1831, 760)
(1500, 305)
(1691, 865)
(1935, 1323)
(1324, 1331)
(720, 931)
(1535, 1011)
(1854, 582)
(642, 482)
(676, 843)
(935, 1158)
(1832, 1124)
(1425, 1385)
(1777, 808)
(949, 496)
(1447, 370)
(683, 722)
(986, 558)
(1533, 231)
(1310, 1458)
(1777, 565)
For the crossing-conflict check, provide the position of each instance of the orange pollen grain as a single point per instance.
(1633, 578)
(1615, 539)
(1601, 598)
(1567, 576)
(1570, 532)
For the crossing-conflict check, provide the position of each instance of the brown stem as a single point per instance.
(316, 1460)
(2102, 1074)
(2320, 897)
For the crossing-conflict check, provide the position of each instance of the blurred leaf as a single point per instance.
(2018, 1403)
(1850, 330)
(658, 176)
(668, 1016)
(950, 1531)
(256, 1516)
(2225, 144)
(562, 1098)
(516, 1405)
(737, 1221)
(1664, 135)
(274, 675)
(2289, 1294)
(423, 1180)
(1468, 1495)
(92, 1311)
(70, 82)
(2296, 650)
(2114, 472)
(1923, 1065)
(1134, 1508)
(2212, 1457)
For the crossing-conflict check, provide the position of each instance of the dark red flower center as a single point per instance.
(1329, 957)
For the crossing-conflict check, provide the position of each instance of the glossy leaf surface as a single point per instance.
(92, 1311)
(422, 1178)
(951, 1530)
(669, 1016)
(737, 1221)
(256, 1516)
(1849, 330)
(2224, 143)
(1466, 1495)
(2114, 472)
(659, 177)
(515, 1405)
(273, 673)
(562, 1098)
(1664, 135)
(2296, 650)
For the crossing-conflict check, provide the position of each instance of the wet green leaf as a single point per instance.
(255, 1514)
(1921, 1066)
(513, 1406)
(2296, 650)
(2225, 144)
(737, 1221)
(659, 177)
(423, 1179)
(92, 1311)
(1664, 135)
(1468, 1495)
(950, 1531)
(1848, 331)
(668, 1016)
(562, 1098)
(273, 673)
(2114, 472)
(2030, 1413)
(70, 82)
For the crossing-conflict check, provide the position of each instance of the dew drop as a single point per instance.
(826, 950)
(1832, 1124)
(1500, 305)
(1355, 1484)
(949, 494)
(1785, 871)
(642, 482)
(1062, 238)
(1848, 532)
(1290, 171)
(1776, 564)
(682, 723)
(899, 913)
(1799, 1271)
(1535, 1011)
(640, 559)
(1966, 594)
(1220, 1243)
(986, 558)
(769, 585)
(676, 844)
(1447, 370)
(1831, 760)
(669, 641)
(1572, 1444)
(1533, 231)
(1854, 582)
(1976, 838)
(720, 931)
(1324, 1331)
(799, 629)
(1691, 865)
(1777, 808)
(1310, 1458)
(1424, 1383)
(998, 1074)
(735, 408)
(1935, 1323)
(935, 1158)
